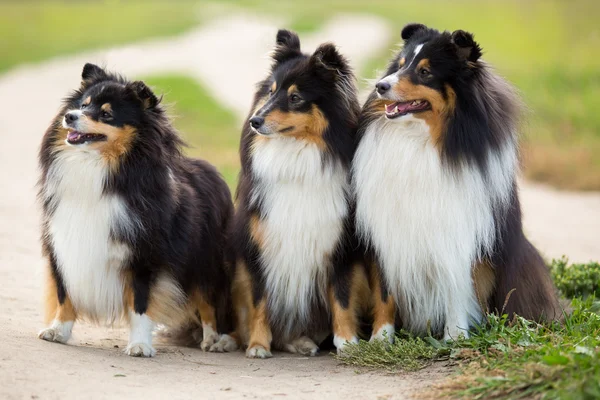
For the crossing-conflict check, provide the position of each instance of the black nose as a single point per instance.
(382, 87)
(70, 117)
(257, 122)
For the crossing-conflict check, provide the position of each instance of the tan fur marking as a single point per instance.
(384, 312)
(53, 309)
(305, 126)
(257, 231)
(252, 322)
(401, 62)
(273, 87)
(292, 89)
(87, 101)
(424, 63)
(442, 108)
(242, 301)
(484, 280)
(260, 331)
(345, 320)
(106, 107)
(206, 310)
(119, 140)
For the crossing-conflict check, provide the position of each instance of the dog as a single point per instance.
(434, 177)
(297, 264)
(132, 230)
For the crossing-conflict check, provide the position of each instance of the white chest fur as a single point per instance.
(80, 228)
(427, 222)
(305, 206)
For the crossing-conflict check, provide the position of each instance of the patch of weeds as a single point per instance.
(573, 280)
(407, 353)
(518, 358)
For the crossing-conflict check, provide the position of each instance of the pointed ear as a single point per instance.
(287, 45)
(143, 92)
(409, 30)
(92, 73)
(467, 48)
(329, 62)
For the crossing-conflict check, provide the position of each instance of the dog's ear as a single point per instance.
(287, 45)
(409, 30)
(466, 47)
(144, 93)
(92, 73)
(329, 63)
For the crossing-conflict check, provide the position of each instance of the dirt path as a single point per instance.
(92, 366)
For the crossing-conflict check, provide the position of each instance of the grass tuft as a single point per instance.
(407, 353)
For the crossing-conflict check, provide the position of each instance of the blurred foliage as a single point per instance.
(547, 48)
(33, 31)
(212, 132)
(574, 280)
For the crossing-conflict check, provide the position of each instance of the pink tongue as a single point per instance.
(73, 135)
(402, 107)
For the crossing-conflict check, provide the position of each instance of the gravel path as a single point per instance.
(228, 56)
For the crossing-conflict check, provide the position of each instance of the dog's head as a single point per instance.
(304, 93)
(106, 113)
(422, 80)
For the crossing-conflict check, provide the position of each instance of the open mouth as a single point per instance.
(74, 137)
(400, 108)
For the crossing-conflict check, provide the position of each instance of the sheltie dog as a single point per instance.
(132, 229)
(434, 177)
(296, 267)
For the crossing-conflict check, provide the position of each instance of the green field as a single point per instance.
(548, 49)
(32, 31)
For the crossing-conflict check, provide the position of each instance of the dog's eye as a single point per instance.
(105, 114)
(83, 106)
(295, 99)
(425, 72)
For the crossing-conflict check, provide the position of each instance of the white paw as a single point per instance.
(304, 346)
(209, 341)
(140, 350)
(341, 344)
(258, 352)
(385, 333)
(452, 334)
(225, 344)
(59, 332)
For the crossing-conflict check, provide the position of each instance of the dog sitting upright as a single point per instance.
(131, 228)
(296, 267)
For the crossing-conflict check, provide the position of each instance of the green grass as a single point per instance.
(511, 359)
(33, 31)
(211, 131)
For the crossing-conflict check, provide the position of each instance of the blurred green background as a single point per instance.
(548, 49)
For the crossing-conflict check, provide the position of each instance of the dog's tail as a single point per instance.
(187, 335)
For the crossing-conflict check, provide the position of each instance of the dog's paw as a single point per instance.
(225, 344)
(384, 334)
(209, 341)
(140, 350)
(304, 346)
(59, 332)
(341, 344)
(258, 352)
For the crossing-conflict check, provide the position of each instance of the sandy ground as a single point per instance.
(93, 365)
